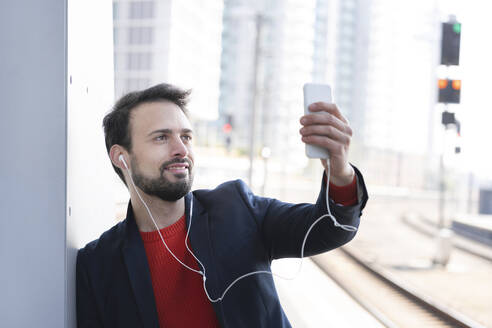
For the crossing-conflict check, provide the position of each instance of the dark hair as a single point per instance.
(116, 122)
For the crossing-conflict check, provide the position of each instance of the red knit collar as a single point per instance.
(167, 232)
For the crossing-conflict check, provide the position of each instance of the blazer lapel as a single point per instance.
(201, 245)
(138, 272)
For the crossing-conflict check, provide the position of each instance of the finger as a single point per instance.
(327, 131)
(334, 148)
(326, 119)
(328, 107)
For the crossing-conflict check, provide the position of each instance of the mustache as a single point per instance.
(176, 161)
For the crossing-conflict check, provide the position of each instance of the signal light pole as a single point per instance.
(449, 92)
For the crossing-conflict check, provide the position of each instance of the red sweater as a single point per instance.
(178, 292)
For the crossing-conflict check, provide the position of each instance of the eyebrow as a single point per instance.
(169, 131)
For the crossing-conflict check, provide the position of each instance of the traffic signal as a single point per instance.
(227, 129)
(448, 118)
(450, 43)
(449, 91)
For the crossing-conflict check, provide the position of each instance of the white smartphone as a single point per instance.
(314, 92)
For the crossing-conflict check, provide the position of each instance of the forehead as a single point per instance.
(151, 116)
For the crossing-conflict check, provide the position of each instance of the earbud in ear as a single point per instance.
(122, 159)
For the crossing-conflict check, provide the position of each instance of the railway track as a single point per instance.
(390, 301)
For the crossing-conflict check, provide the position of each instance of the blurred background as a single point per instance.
(246, 62)
(415, 92)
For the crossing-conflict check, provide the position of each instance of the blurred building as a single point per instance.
(170, 41)
(380, 56)
(385, 81)
(286, 64)
(267, 72)
(237, 83)
(349, 65)
(324, 41)
(325, 28)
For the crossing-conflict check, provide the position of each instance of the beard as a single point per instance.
(162, 187)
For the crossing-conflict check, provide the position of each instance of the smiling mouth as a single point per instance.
(177, 168)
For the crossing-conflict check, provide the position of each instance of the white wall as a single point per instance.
(91, 181)
(52, 152)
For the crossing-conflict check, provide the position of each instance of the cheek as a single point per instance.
(189, 149)
(191, 155)
(151, 163)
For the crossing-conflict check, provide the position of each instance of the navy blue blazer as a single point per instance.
(233, 232)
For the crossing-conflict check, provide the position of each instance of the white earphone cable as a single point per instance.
(156, 226)
(203, 273)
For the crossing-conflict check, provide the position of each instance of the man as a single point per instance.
(140, 273)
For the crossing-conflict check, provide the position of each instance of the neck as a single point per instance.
(165, 213)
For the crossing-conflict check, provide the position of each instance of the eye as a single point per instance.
(187, 137)
(161, 137)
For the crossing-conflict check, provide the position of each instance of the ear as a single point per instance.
(114, 154)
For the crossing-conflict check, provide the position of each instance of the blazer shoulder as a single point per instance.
(226, 189)
(228, 195)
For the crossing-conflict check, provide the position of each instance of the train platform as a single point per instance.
(460, 240)
(312, 299)
(482, 221)
(476, 227)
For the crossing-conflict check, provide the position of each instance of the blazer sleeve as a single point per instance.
(284, 225)
(87, 315)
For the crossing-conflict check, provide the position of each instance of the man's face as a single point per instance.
(162, 158)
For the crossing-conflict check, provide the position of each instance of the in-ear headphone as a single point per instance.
(122, 159)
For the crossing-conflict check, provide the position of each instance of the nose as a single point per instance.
(179, 149)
